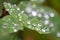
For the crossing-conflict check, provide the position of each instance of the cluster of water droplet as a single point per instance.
(31, 16)
(8, 24)
(43, 16)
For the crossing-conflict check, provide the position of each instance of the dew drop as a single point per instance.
(7, 9)
(39, 25)
(51, 14)
(11, 10)
(42, 10)
(13, 27)
(34, 13)
(46, 22)
(43, 30)
(29, 26)
(20, 19)
(4, 25)
(18, 8)
(28, 22)
(34, 24)
(33, 28)
(28, 9)
(9, 5)
(8, 19)
(15, 24)
(22, 11)
(19, 14)
(46, 16)
(14, 5)
(51, 25)
(39, 15)
(15, 30)
(37, 28)
(21, 2)
(58, 34)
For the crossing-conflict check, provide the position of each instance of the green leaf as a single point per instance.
(44, 20)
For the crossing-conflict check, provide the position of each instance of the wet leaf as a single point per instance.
(44, 20)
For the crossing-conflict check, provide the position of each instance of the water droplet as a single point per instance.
(34, 13)
(58, 34)
(8, 20)
(9, 5)
(51, 25)
(11, 10)
(37, 28)
(19, 14)
(51, 14)
(43, 30)
(21, 2)
(4, 25)
(18, 8)
(13, 27)
(7, 9)
(34, 5)
(20, 19)
(28, 9)
(34, 24)
(39, 15)
(46, 29)
(42, 10)
(22, 11)
(14, 5)
(15, 24)
(39, 25)
(28, 22)
(46, 22)
(15, 30)
(46, 16)
(33, 28)
(29, 26)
